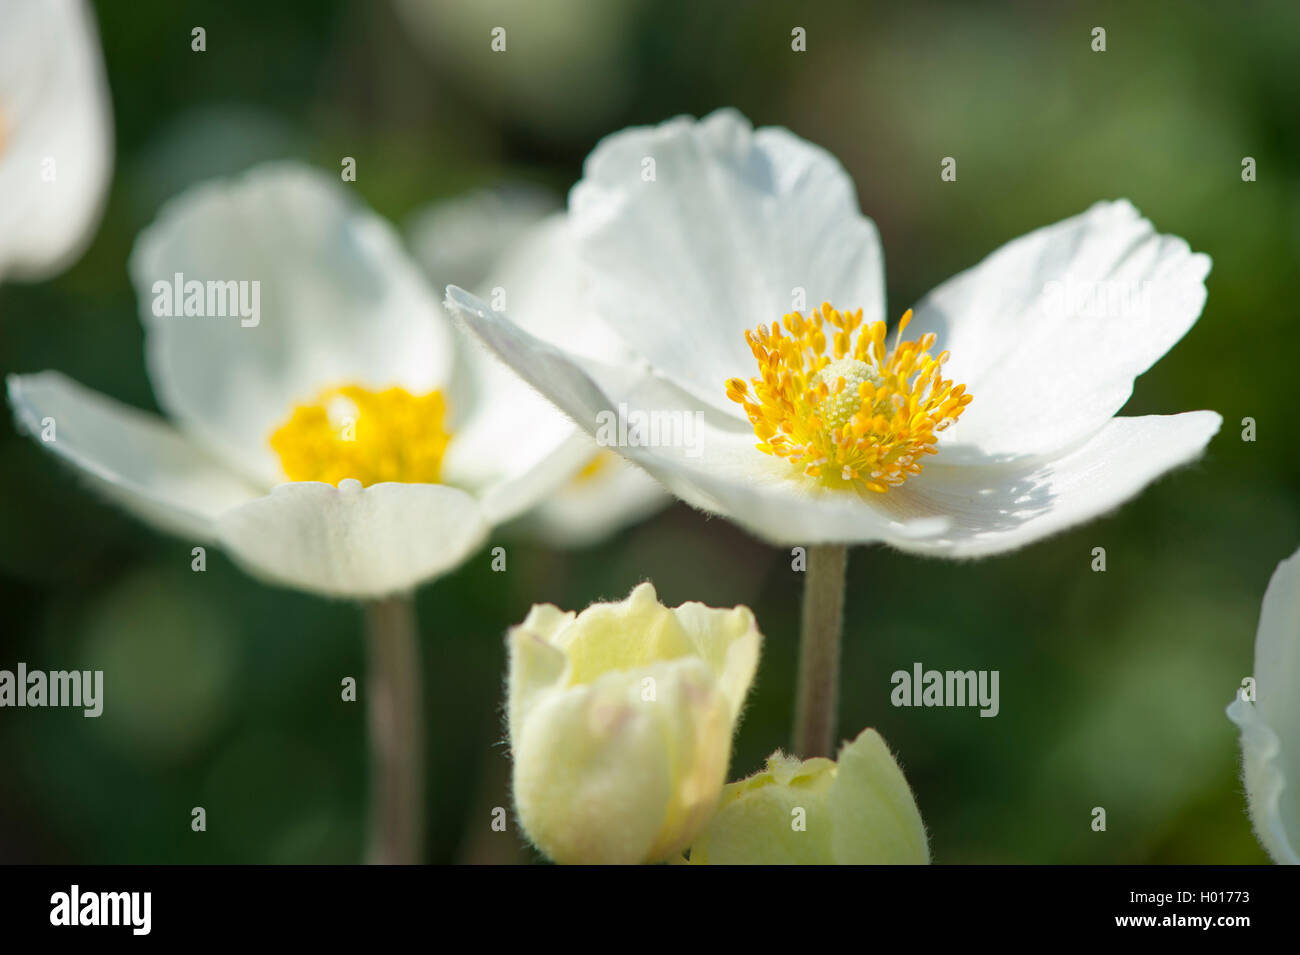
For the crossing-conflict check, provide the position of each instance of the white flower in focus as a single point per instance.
(317, 433)
(621, 720)
(1270, 724)
(56, 135)
(512, 243)
(990, 426)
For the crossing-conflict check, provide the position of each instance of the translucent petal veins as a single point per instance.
(830, 398)
(372, 436)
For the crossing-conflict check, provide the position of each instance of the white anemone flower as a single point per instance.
(511, 245)
(700, 240)
(1270, 718)
(56, 135)
(317, 432)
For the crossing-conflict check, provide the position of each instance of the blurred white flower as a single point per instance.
(606, 496)
(1270, 723)
(692, 233)
(511, 242)
(56, 135)
(317, 433)
(462, 240)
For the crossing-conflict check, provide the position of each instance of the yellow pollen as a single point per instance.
(372, 436)
(600, 462)
(833, 400)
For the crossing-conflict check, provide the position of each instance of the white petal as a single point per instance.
(459, 241)
(56, 135)
(949, 510)
(590, 508)
(1050, 330)
(1000, 507)
(513, 448)
(339, 302)
(1270, 727)
(545, 289)
(350, 541)
(133, 458)
(733, 223)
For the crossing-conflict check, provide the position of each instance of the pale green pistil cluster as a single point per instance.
(839, 406)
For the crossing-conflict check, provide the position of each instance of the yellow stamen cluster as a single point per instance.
(372, 436)
(855, 414)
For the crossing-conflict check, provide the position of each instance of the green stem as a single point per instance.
(819, 651)
(394, 712)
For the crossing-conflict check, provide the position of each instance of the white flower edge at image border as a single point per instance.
(54, 108)
(340, 301)
(1270, 726)
(1039, 449)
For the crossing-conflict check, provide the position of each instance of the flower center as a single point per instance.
(599, 464)
(372, 436)
(862, 415)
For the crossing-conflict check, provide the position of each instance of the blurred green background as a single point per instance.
(224, 693)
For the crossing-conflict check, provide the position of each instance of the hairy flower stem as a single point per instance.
(819, 651)
(394, 711)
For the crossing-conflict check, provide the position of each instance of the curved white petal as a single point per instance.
(544, 288)
(514, 447)
(733, 222)
(1270, 726)
(950, 510)
(460, 241)
(955, 511)
(999, 507)
(133, 458)
(56, 135)
(604, 498)
(1050, 330)
(350, 541)
(339, 301)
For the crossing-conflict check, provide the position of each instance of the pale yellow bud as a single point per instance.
(858, 810)
(621, 720)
